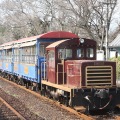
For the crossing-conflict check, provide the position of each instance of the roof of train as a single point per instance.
(56, 34)
(56, 43)
(86, 41)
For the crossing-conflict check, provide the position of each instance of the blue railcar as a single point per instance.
(27, 57)
(6, 61)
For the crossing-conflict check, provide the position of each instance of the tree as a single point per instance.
(23, 18)
(82, 17)
(89, 16)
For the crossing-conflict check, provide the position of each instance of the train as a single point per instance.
(63, 67)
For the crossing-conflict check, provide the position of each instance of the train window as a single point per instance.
(28, 54)
(33, 50)
(26, 51)
(9, 52)
(51, 55)
(80, 52)
(64, 53)
(16, 54)
(90, 52)
(42, 50)
(15, 51)
(68, 53)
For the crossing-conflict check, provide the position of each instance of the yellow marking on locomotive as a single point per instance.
(0, 64)
(26, 70)
(15, 67)
(6, 65)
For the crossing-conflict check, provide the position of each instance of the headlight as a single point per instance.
(81, 40)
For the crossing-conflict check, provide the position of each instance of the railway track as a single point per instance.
(7, 112)
(13, 109)
(80, 115)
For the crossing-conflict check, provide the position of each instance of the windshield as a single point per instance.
(64, 53)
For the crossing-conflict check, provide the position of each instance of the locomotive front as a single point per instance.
(94, 82)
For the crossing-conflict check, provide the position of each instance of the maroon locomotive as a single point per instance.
(77, 79)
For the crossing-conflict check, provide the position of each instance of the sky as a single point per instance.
(116, 18)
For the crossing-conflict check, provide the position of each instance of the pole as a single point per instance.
(106, 40)
(107, 32)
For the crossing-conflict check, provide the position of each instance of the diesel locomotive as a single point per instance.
(77, 79)
(63, 67)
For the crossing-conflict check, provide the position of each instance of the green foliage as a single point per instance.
(117, 60)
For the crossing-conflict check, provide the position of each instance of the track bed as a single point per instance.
(6, 113)
(35, 108)
(16, 105)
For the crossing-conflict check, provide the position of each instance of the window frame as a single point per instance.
(63, 53)
(88, 55)
(82, 53)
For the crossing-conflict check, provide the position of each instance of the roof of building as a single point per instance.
(115, 42)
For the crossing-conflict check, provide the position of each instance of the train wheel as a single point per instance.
(87, 111)
(17, 81)
(10, 79)
(20, 82)
(66, 102)
(13, 80)
(47, 94)
(35, 87)
(43, 90)
(27, 85)
(4, 75)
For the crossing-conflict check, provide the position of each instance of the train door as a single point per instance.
(51, 66)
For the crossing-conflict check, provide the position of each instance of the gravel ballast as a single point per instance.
(40, 107)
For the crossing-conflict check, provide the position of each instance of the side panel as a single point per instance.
(16, 68)
(1, 65)
(74, 74)
(73, 70)
(28, 71)
(7, 66)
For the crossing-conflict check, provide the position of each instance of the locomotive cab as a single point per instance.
(69, 49)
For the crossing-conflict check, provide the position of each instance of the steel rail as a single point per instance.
(12, 109)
